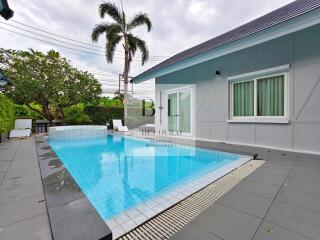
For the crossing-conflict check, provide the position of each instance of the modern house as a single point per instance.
(255, 85)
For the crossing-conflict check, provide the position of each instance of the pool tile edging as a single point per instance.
(71, 215)
(124, 223)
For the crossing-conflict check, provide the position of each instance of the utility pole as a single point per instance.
(122, 80)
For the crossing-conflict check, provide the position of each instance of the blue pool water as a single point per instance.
(117, 173)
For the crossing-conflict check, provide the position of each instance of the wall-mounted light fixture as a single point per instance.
(218, 73)
(5, 11)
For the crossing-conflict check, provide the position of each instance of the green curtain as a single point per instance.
(243, 95)
(271, 96)
(172, 116)
(184, 107)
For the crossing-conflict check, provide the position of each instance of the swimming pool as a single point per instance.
(118, 173)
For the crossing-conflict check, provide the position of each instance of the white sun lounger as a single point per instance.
(117, 126)
(22, 128)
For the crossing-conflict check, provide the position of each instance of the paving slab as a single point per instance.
(256, 188)
(266, 178)
(20, 210)
(69, 223)
(16, 193)
(245, 202)
(299, 199)
(194, 232)
(296, 219)
(270, 231)
(228, 223)
(310, 175)
(301, 185)
(277, 157)
(274, 170)
(30, 229)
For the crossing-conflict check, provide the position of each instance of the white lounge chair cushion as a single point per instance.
(23, 124)
(123, 129)
(117, 125)
(20, 133)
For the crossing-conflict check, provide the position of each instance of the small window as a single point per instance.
(259, 98)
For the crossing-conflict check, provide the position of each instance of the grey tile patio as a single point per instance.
(256, 188)
(310, 175)
(274, 170)
(299, 199)
(11, 194)
(20, 210)
(193, 232)
(228, 223)
(245, 202)
(296, 219)
(30, 229)
(301, 185)
(270, 231)
(23, 214)
(291, 181)
(266, 178)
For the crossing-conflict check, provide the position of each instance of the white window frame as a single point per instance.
(255, 77)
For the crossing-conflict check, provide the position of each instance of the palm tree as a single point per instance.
(120, 31)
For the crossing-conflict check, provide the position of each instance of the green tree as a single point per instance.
(48, 80)
(120, 31)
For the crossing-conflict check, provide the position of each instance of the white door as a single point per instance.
(179, 112)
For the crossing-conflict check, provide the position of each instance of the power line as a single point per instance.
(70, 39)
(59, 45)
(51, 42)
(64, 42)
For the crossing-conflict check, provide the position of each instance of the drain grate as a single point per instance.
(169, 222)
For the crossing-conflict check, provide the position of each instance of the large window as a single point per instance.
(259, 98)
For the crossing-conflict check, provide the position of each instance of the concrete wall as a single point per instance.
(300, 50)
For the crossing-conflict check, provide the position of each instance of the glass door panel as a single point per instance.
(185, 112)
(179, 111)
(173, 112)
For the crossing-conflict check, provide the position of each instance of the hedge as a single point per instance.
(7, 114)
(101, 115)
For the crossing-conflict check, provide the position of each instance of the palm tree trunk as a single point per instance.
(126, 80)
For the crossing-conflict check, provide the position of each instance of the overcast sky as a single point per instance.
(177, 25)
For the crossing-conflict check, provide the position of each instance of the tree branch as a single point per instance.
(35, 110)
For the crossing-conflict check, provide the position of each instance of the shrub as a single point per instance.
(7, 114)
(101, 115)
(76, 115)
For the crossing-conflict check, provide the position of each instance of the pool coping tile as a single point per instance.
(65, 202)
(169, 198)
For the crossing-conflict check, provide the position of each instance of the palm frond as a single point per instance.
(139, 20)
(132, 44)
(111, 46)
(114, 28)
(98, 30)
(137, 43)
(112, 10)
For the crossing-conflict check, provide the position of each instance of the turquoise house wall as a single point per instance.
(301, 50)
